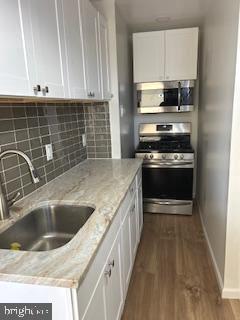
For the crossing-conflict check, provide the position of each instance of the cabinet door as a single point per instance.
(97, 308)
(91, 45)
(14, 78)
(140, 209)
(113, 287)
(74, 49)
(181, 54)
(148, 56)
(42, 30)
(104, 57)
(126, 252)
(134, 228)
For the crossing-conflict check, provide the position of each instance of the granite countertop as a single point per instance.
(98, 183)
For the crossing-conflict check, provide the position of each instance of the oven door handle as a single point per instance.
(169, 203)
(189, 164)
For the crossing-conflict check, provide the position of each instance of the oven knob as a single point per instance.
(163, 156)
(151, 156)
(175, 156)
(182, 157)
(145, 156)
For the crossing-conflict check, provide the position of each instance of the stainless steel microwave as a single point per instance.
(169, 96)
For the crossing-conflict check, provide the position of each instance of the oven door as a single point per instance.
(168, 187)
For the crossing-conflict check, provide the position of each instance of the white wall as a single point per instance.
(218, 61)
(232, 265)
(125, 85)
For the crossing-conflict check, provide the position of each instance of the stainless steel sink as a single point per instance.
(46, 228)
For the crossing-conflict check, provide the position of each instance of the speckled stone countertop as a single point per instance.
(99, 183)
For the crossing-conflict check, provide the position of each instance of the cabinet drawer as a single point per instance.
(87, 287)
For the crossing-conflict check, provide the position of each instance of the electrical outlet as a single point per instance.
(49, 151)
(84, 141)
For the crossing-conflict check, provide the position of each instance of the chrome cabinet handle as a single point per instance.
(108, 273)
(91, 94)
(133, 208)
(112, 263)
(37, 88)
(45, 90)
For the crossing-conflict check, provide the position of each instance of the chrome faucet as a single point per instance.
(5, 203)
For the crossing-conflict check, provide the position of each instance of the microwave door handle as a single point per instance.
(179, 96)
(175, 203)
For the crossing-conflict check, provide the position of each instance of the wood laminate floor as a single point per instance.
(173, 276)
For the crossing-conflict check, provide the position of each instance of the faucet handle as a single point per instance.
(13, 199)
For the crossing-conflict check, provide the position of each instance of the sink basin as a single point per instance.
(46, 228)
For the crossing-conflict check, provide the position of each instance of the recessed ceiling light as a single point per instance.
(162, 19)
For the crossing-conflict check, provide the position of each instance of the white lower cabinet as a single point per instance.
(109, 293)
(113, 282)
(106, 301)
(134, 228)
(126, 252)
(102, 293)
(140, 208)
(97, 306)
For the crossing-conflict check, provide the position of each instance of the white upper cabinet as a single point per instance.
(53, 49)
(104, 57)
(148, 51)
(181, 54)
(74, 49)
(165, 55)
(14, 79)
(91, 45)
(43, 31)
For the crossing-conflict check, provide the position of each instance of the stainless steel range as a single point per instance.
(168, 162)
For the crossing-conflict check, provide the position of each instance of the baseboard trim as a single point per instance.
(217, 272)
(230, 293)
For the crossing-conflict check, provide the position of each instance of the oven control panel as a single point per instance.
(165, 156)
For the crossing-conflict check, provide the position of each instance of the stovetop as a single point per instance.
(167, 144)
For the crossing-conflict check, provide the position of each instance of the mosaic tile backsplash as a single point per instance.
(30, 127)
(98, 131)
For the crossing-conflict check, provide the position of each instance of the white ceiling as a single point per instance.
(141, 15)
